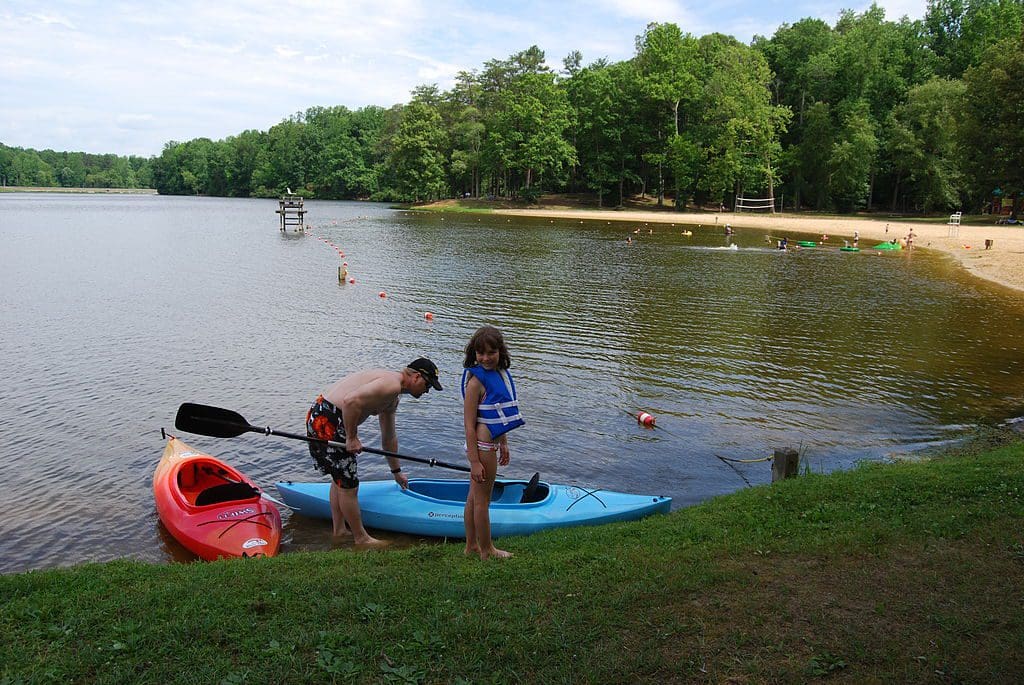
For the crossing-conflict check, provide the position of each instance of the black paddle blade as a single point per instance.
(212, 421)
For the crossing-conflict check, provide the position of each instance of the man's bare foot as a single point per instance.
(371, 542)
(495, 553)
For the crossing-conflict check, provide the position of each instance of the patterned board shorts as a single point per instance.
(323, 420)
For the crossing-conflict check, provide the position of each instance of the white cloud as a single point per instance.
(648, 10)
(135, 121)
(127, 76)
(51, 19)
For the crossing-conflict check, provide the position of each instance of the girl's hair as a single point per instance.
(485, 337)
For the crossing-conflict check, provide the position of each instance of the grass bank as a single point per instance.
(907, 573)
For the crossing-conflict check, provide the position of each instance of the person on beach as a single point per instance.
(337, 414)
(856, 238)
(490, 409)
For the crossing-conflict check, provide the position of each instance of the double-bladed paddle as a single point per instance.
(224, 423)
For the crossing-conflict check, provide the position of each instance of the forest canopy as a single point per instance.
(907, 116)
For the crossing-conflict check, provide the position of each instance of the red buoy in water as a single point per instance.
(382, 294)
(352, 280)
(645, 419)
(429, 316)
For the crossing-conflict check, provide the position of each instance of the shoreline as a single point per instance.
(1003, 264)
(83, 191)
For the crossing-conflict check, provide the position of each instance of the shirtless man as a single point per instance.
(337, 414)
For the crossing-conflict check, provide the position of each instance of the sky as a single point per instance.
(126, 77)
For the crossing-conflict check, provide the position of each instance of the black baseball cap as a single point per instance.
(427, 369)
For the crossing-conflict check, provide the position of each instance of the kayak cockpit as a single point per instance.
(202, 483)
(505, 492)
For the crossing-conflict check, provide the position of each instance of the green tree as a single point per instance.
(852, 157)
(992, 120)
(417, 148)
(594, 96)
(242, 153)
(527, 117)
(334, 154)
(800, 57)
(921, 138)
(282, 163)
(737, 139)
(960, 31)
(666, 60)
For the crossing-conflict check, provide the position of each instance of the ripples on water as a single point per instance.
(114, 310)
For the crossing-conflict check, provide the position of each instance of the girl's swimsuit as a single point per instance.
(323, 421)
(499, 409)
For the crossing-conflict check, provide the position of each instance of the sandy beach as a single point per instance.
(1003, 263)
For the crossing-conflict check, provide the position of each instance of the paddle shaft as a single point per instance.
(224, 423)
(373, 450)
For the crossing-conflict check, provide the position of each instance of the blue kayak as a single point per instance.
(434, 507)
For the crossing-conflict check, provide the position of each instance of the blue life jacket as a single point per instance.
(499, 409)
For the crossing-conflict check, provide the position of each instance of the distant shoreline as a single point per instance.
(1002, 264)
(84, 191)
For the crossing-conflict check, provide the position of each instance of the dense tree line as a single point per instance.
(49, 169)
(908, 116)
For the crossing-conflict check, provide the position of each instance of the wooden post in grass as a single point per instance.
(785, 463)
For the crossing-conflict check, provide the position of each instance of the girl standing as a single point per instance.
(490, 409)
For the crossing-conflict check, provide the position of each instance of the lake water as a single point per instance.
(116, 309)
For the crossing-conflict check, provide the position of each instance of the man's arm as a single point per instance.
(389, 441)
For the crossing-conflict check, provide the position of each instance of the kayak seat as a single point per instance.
(537, 495)
(534, 491)
(227, 492)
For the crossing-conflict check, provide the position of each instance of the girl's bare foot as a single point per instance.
(471, 549)
(495, 553)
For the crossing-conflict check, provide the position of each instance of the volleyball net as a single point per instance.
(755, 203)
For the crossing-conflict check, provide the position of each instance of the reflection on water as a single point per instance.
(114, 310)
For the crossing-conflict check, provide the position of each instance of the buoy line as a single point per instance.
(343, 273)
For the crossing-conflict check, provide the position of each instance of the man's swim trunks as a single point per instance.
(324, 421)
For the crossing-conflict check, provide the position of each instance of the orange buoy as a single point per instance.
(645, 419)
(429, 316)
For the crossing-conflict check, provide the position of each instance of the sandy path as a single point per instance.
(1003, 263)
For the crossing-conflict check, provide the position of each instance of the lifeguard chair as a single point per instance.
(953, 230)
(291, 211)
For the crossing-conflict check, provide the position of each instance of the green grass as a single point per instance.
(907, 572)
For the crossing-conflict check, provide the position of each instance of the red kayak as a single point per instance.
(212, 509)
